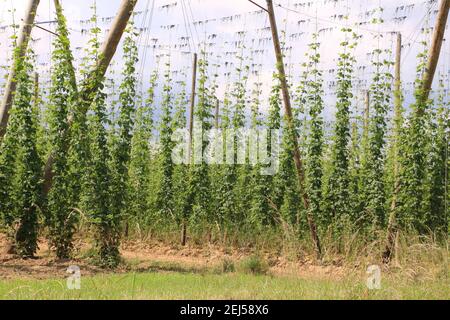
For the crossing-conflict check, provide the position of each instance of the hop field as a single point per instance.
(242, 174)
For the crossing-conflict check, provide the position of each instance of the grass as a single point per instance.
(420, 270)
(254, 265)
(168, 285)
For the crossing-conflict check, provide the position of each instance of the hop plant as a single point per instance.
(122, 142)
(62, 99)
(199, 194)
(313, 103)
(140, 170)
(165, 195)
(26, 194)
(99, 176)
(374, 188)
(337, 192)
(413, 205)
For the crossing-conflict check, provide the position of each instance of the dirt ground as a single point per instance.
(154, 256)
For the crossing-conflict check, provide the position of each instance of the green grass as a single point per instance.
(169, 285)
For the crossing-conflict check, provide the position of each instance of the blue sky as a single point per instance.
(225, 25)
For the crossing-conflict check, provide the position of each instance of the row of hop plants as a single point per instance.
(106, 170)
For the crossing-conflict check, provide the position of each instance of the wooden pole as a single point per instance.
(217, 113)
(366, 115)
(108, 48)
(36, 90)
(398, 111)
(398, 116)
(435, 51)
(22, 45)
(289, 117)
(191, 133)
(398, 62)
(192, 105)
(427, 82)
(107, 51)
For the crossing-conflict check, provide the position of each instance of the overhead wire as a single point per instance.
(416, 32)
(147, 27)
(193, 21)
(331, 21)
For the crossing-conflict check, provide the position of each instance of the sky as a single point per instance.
(174, 29)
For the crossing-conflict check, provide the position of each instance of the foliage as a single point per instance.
(337, 193)
(26, 193)
(141, 153)
(99, 176)
(412, 197)
(122, 143)
(62, 99)
(107, 168)
(165, 196)
(199, 189)
(313, 103)
(374, 191)
(254, 265)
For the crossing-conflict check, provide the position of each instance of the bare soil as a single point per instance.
(155, 256)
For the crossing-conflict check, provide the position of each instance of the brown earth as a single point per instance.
(153, 256)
